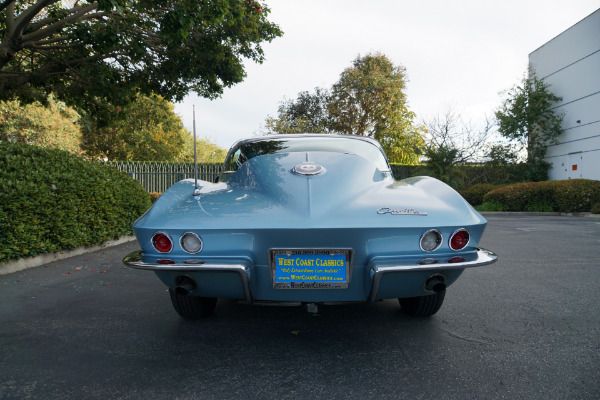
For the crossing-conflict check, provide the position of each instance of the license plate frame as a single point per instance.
(311, 268)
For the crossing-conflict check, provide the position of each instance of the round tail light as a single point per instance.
(191, 243)
(459, 239)
(162, 243)
(431, 240)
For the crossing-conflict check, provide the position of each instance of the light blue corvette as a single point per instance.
(309, 218)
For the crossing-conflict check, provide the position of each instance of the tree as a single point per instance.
(206, 151)
(502, 154)
(54, 125)
(527, 117)
(145, 130)
(452, 142)
(441, 164)
(307, 114)
(369, 100)
(106, 51)
(449, 131)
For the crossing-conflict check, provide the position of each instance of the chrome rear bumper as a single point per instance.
(377, 268)
(241, 267)
(381, 267)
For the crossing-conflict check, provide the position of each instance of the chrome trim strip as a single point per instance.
(242, 268)
(378, 269)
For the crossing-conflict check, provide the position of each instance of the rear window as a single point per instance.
(250, 149)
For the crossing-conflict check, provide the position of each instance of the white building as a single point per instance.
(570, 64)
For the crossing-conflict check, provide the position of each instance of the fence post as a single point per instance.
(158, 176)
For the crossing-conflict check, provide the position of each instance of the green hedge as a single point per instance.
(483, 173)
(51, 200)
(575, 195)
(474, 194)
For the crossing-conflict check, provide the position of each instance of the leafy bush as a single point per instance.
(596, 208)
(575, 195)
(440, 164)
(51, 200)
(484, 173)
(535, 171)
(491, 206)
(474, 194)
(540, 206)
(154, 196)
(516, 197)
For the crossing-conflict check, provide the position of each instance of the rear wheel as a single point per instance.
(422, 306)
(192, 307)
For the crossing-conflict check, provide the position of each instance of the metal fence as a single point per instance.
(158, 177)
(403, 171)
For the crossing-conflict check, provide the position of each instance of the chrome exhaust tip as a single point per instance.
(435, 283)
(185, 285)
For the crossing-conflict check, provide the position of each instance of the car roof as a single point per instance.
(308, 135)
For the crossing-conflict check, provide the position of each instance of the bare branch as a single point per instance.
(54, 67)
(55, 39)
(449, 131)
(10, 16)
(6, 3)
(51, 29)
(28, 15)
(57, 47)
(78, 61)
(41, 23)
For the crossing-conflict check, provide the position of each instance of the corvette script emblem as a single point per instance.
(406, 211)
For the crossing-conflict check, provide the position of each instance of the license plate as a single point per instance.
(311, 269)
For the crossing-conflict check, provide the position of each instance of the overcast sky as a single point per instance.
(458, 54)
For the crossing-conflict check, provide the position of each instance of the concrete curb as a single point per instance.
(24, 263)
(539, 214)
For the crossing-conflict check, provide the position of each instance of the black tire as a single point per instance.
(422, 306)
(192, 307)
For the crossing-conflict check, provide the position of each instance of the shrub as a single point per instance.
(596, 208)
(474, 194)
(576, 195)
(485, 173)
(516, 197)
(51, 201)
(154, 196)
(491, 206)
(540, 206)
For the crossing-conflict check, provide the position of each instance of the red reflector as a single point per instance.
(162, 243)
(455, 260)
(459, 240)
(166, 262)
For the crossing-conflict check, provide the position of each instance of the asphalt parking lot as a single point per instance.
(527, 327)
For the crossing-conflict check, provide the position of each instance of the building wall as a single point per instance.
(570, 64)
